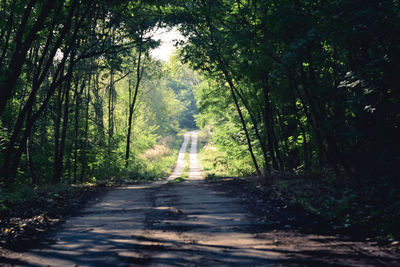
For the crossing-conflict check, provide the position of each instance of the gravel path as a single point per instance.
(190, 223)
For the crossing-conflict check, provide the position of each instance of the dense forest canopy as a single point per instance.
(81, 98)
(290, 86)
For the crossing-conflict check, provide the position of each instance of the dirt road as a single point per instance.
(184, 224)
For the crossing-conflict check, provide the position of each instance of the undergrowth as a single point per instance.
(362, 208)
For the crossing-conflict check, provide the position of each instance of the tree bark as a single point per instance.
(58, 163)
(268, 122)
(139, 74)
(76, 126)
(85, 142)
(222, 65)
(250, 146)
(22, 47)
(257, 132)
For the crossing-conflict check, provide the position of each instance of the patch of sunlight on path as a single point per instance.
(195, 169)
(180, 163)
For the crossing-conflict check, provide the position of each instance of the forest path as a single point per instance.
(180, 224)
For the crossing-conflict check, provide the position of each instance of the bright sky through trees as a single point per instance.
(303, 88)
(168, 39)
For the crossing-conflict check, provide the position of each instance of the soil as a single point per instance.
(196, 223)
(24, 225)
(312, 238)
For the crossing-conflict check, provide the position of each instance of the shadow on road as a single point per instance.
(184, 224)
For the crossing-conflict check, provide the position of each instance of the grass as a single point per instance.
(211, 159)
(157, 162)
(221, 163)
(177, 180)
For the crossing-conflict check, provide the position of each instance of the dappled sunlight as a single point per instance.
(292, 104)
(155, 152)
(187, 223)
(180, 163)
(195, 170)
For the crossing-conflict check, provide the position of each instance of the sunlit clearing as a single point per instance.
(168, 38)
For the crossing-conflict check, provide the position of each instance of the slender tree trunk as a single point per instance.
(139, 73)
(223, 66)
(111, 110)
(22, 47)
(268, 123)
(239, 111)
(58, 164)
(257, 132)
(57, 129)
(250, 146)
(76, 126)
(30, 160)
(84, 147)
(99, 113)
(128, 136)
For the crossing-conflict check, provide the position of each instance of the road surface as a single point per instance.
(180, 224)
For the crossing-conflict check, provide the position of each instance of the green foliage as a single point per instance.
(318, 97)
(316, 85)
(290, 86)
(82, 128)
(221, 159)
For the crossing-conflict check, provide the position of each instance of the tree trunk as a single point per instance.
(139, 74)
(257, 132)
(76, 126)
(268, 122)
(22, 47)
(111, 111)
(250, 146)
(84, 147)
(98, 109)
(58, 164)
(30, 160)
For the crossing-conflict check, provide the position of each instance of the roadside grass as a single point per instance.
(213, 162)
(211, 159)
(155, 163)
(218, 163)
(177, 180)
